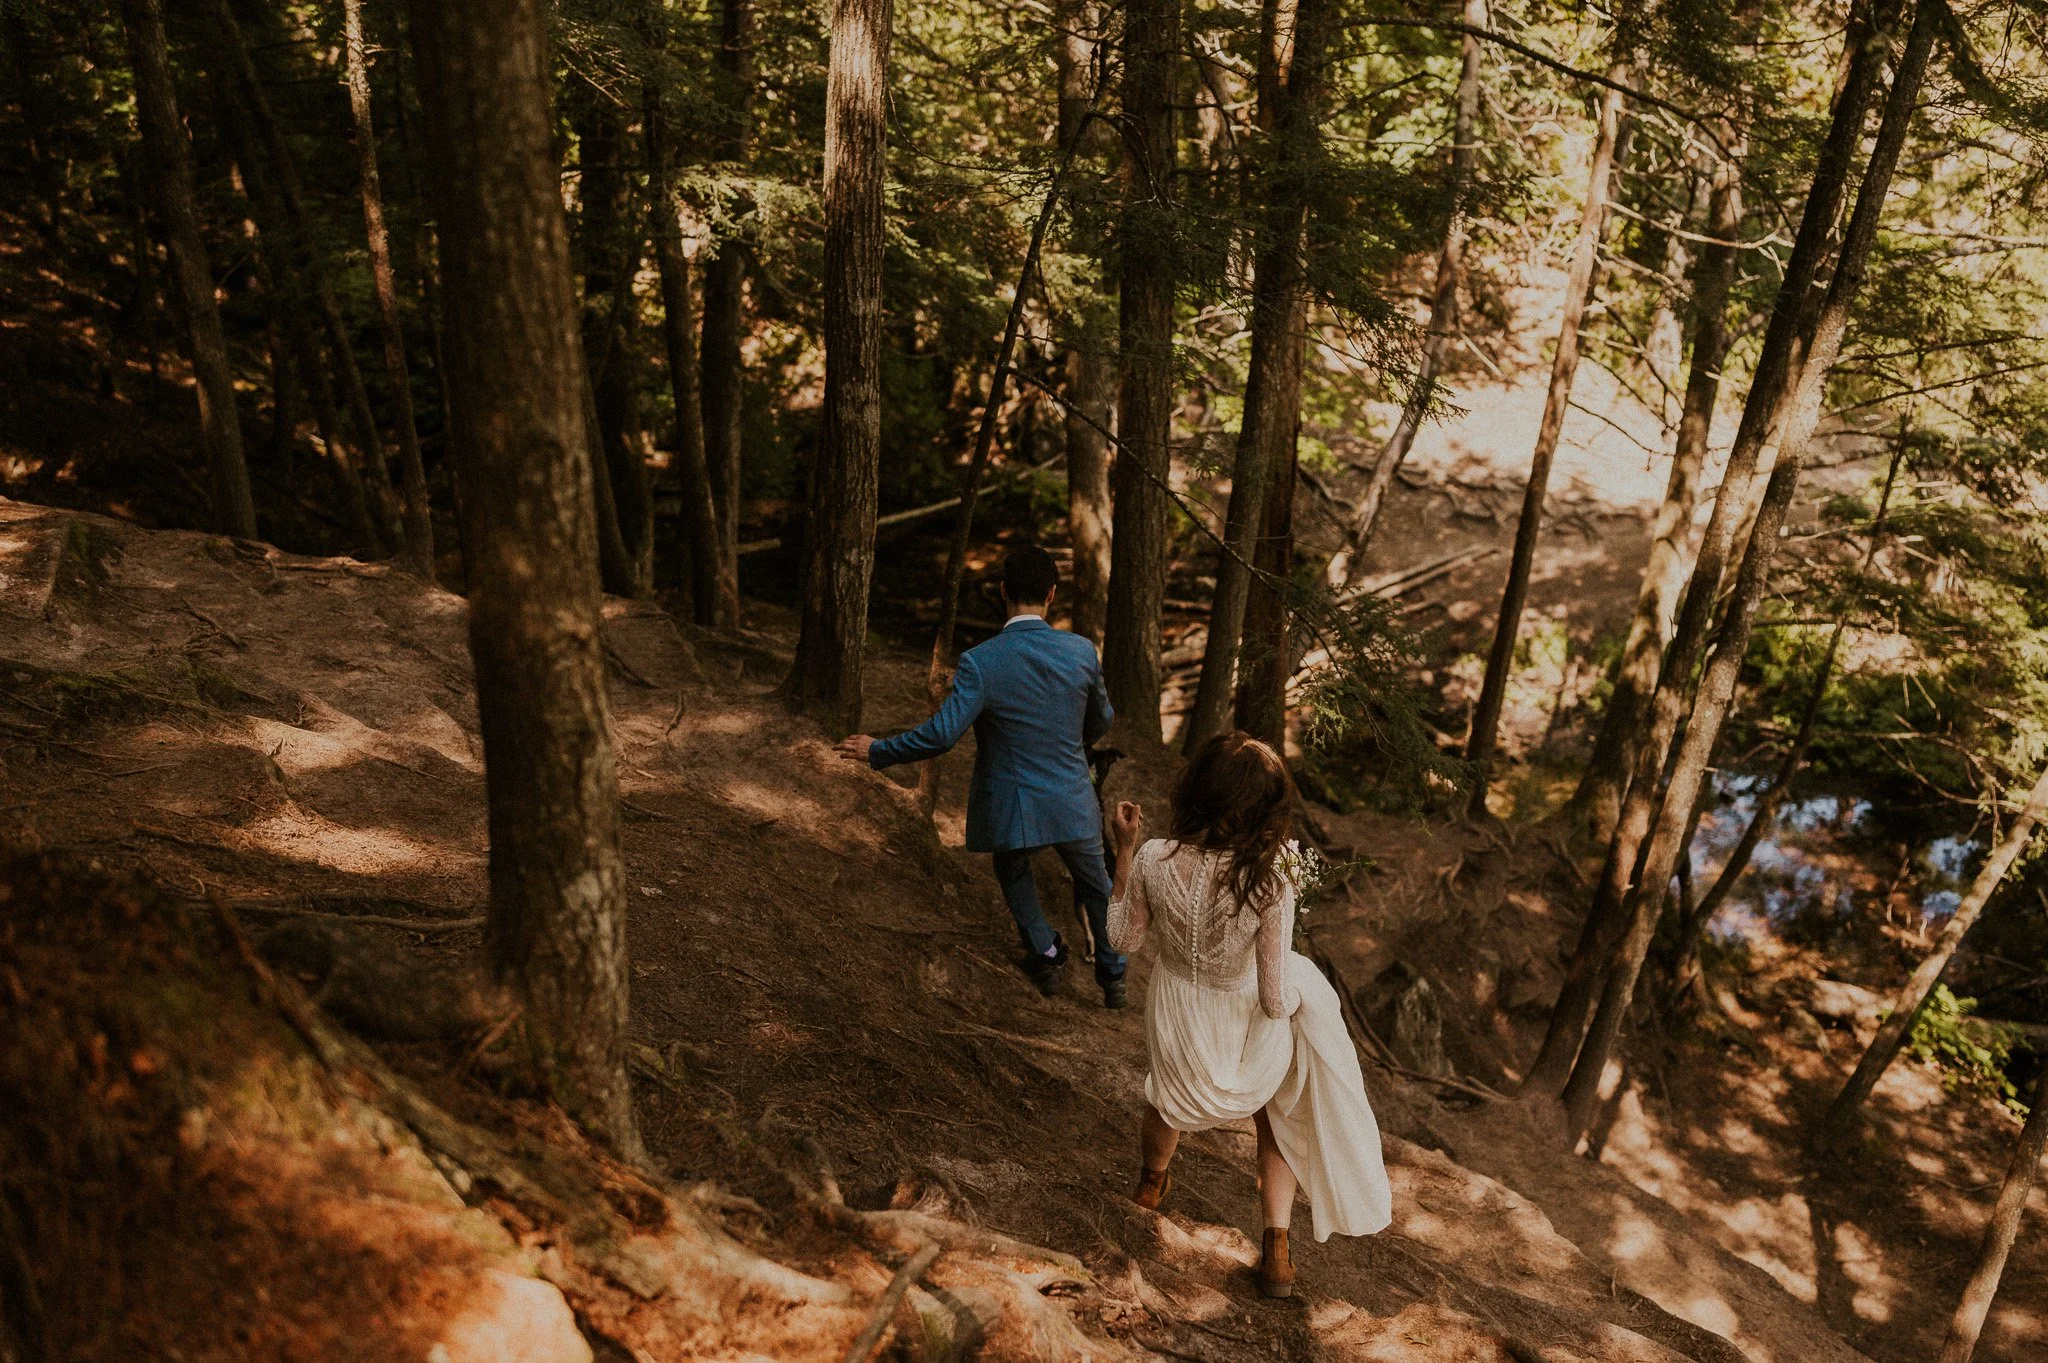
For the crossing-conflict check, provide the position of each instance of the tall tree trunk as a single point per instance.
(2004, 1228)
(714, 598)
(1090, 369)
(294, 314)
(419, 515)
(1842, 1114)
(1564, 367)
(1724, 666)
(1695, 920)
(1138, 530)
(29, 51)
(615, 566)
(1599, 795)
(1291, 78)
(306, 262)
(1268, 660)
(839, 549)
(1764, 409)
(170, 174)
(608, 238)
(1348, 563)
(1664, 345)
(557, 928)
(724, 289)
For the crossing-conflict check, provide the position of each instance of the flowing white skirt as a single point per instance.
(1217, 1058)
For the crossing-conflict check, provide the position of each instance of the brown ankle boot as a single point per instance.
(1276, 1269)
(1153, 1186)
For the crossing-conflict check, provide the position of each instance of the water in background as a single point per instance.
(1821, 863)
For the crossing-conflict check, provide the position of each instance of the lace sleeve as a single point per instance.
(1277, 997)
(1130, 913)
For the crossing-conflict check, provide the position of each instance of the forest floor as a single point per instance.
(815, 971)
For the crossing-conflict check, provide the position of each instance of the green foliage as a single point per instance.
(1365, 729)
(1971, 1052)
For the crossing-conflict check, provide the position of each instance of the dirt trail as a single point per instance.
(814, 970)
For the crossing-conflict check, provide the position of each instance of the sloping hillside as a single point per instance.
(821, 1001)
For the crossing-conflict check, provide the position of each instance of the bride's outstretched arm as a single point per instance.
(1129, 913)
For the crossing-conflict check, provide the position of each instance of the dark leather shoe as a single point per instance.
(1048, 972)
(1113, 995)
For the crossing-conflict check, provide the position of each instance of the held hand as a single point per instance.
(1128, 823)
(855, 749)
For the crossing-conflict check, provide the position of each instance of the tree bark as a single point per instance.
(1664, 344)
(1091, 391)
(1842, 1114)
(1724, 666)
(724, 290)
(1268, 661)
(556, 930)
(839, 549)
(1291, 79)
(1764, 409)
(615, 566)
(1599, 795)
(608, 241)
(1138, 531)
(419, 516)
(1563, 367)
(2004, 1228)
(714, 597)
(307, 264)
(169, 155)
(1347, 565)
(274, 259)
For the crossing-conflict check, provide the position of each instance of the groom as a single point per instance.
(1035, 697)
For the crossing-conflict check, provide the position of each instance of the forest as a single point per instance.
(464, 467)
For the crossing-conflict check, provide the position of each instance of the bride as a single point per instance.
(1238, 1024)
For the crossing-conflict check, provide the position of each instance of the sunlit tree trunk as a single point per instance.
(1291, 79)
(169, 157)
(308, 264)
(1605, 781)
(1731, 643)
(419, 516)
(1842, 1114)
(714, 598)
(1348, 563)
(725, 287)
(557, 928)
(1968, 1322)
(1091, 382)
(1564, 367)
(1664, 342)
(1775, 378)
(1138, 533)
(839, 550)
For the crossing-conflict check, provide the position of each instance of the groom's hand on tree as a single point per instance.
(855, 749)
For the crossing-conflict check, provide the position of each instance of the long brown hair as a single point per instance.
(1235, 797)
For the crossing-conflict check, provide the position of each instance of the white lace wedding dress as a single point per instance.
(1236, 1020)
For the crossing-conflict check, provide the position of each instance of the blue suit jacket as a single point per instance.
(1035, 697)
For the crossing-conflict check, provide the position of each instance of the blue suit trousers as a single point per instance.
(1086, 864)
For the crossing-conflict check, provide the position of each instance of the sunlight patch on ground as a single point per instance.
(302, 835)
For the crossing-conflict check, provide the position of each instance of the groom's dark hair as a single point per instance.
(1029, 575)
